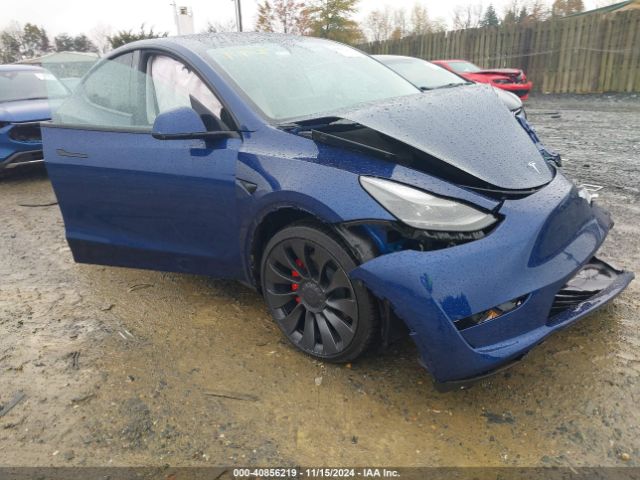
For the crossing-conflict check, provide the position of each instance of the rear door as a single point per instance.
(130, 200)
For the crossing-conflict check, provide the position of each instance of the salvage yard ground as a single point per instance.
(108, 366)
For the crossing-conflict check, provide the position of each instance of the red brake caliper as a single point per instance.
(294, 274)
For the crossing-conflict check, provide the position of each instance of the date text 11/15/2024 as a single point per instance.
(242, 473)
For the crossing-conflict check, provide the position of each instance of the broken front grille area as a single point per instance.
(590, 280)
(566, 299)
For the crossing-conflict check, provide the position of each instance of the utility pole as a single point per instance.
(175, 16)
(238, 15)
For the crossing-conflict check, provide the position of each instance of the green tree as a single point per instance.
(333, 19)
(283, 16)
(63, 42)
(35, 41)
(490, 18)
(127, 36)
(81, 43)
(266, 18)
(523, 16)
(17, 43)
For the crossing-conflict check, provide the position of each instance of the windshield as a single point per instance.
(464, 67)
(29, 85)
(306, 78)
(422, 73)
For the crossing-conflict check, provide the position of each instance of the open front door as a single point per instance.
(129, 199)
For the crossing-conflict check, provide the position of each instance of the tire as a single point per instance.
(305, 283)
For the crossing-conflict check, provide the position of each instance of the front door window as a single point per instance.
(171, 84)
(121, 95)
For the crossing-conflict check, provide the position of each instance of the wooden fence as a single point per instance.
(582, 54)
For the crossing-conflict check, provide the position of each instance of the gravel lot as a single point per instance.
(122, 367)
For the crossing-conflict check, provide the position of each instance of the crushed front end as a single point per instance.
(478, 305)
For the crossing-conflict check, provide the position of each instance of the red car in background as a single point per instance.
(510, 79)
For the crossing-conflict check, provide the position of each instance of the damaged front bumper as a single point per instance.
(539, 262)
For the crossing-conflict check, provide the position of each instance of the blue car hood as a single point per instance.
(26, 110)
(468, 128)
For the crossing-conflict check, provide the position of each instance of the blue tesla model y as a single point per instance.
(351, 200)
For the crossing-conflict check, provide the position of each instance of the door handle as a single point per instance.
(64, 153)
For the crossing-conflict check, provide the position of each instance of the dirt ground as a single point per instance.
(118, 366)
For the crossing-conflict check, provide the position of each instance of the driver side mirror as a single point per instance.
(184, 123)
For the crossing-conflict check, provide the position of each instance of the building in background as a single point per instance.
(183, 19)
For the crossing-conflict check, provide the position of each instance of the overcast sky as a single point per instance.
(82, 16)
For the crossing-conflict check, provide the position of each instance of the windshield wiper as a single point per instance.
(319, 123)
(25, 99)
(452, 85)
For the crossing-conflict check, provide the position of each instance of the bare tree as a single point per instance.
(512, 12)
(292, 16)
(538, 10)
(400, 24)
(562, 8)
(525, 11)
(420, 21)
(467, 16)
(439, 24)
(395, 24)
(99, 36)
(379, 24)
(11, 43)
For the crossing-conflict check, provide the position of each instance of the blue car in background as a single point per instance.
(355, 203)
(25, 96)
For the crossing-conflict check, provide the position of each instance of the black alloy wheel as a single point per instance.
(310, 295)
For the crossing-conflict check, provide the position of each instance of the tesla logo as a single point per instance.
(534, 166)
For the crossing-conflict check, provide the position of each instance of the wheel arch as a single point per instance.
(270, 222)
(278, 217)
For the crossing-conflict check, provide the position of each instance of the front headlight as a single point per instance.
(423, 210)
